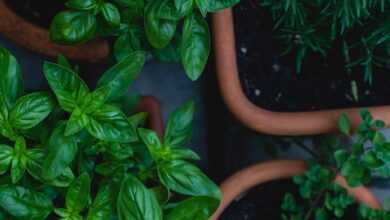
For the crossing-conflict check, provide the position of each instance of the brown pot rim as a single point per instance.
(35, 38)
(151, 105)
(260, 173)
(257, 118)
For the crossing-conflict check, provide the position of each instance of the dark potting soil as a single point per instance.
(39, 12)
(264, 201)
(270, 81)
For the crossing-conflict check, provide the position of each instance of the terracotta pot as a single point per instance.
(151, 105)
(252, 176)
(35, 38)
(259, 119)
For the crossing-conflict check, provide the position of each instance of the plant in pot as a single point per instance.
(26, 23)
(169, 30)
(302, 62)
(74, 154)
(328, 186)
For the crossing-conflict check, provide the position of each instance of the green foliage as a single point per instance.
(308, 27)
(367, 156)
(147, 25)
(93, 161)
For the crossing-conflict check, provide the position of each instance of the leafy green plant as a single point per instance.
(75, 154)
(148, 25)
(359, 162)
(360, 28)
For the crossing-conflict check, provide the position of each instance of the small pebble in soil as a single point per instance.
(244, 50)
(257, 92)
(276, 67)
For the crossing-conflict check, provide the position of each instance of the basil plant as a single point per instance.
(171, 30)
(73, 153)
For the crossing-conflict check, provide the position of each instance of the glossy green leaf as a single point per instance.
(5, 158)
(203, 6)
(341, 156)
(63, 61)
(159, 31)
(77, 196)
(31, 109)
(195, 48)
(195, 208)
(76, 122)
(61, 152)
(111, 14)
(110, 124)
(11, 83)
(185, 178)
(344, 124)
(69, 89)
(101, 208)
(179, 128)
(25, 204)
(136, 202)
(184, 154)
(152, 141)
(184, 7)
(119, 77)
(19, 160)
(73, 27)
(131, 3)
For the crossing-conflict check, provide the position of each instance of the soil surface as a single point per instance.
(263, 202)
(270, 81)
(39, 12)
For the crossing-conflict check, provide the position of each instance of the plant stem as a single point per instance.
(310, 212)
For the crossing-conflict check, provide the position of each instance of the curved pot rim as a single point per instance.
(252, 176)
(257, 118)
(35, 38)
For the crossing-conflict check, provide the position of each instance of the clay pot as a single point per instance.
(151, 105)
(252, 176)
(259, 119)
(35, 38)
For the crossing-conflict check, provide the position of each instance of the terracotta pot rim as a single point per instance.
(257, 118)
(252, 176)
(151, 105)
(35, 38)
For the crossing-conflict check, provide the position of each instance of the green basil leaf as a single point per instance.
(128, 42)
(195, 48)
(31, 109)
(34, 168)
(11, 84)
(137, 202)
(110, 124)
(184, 154)
(138, 119)
(73, 27)
(96, 99)
(217, 5)
(77, 121)
(111, 14)
(110, 168)
(19, 160)
(184, 7)
(120, 76)
(371, 160)
(5, 158)
(152, 141)
(62, 61)
(69, 89)
(185, 178)
(344, 124)
(179, 128)
(82, 4)
(354, 172)
(159, 31)
(25, 204)
(77, 196)
(61, 152)
(199, 208)
(203, 6)
(101, 208)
